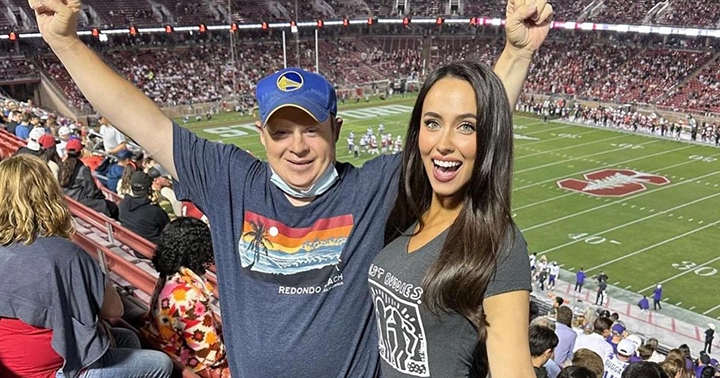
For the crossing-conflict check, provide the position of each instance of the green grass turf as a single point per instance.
(661, 234)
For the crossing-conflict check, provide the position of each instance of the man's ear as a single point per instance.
(260, 130)
(338, 125)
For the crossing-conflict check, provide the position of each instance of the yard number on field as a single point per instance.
(704, 271)
(706, 159)
(591, 239)
(568, 136)
(628, 146)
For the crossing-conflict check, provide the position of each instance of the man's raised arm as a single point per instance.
(125, 106)
(526, 26)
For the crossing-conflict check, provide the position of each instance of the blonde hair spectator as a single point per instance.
(32, 203)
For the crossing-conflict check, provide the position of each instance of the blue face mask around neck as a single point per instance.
(325, 182)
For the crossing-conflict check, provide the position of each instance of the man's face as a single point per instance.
(298, 148)
(34, 121)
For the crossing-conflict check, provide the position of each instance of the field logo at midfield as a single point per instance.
(613, 182)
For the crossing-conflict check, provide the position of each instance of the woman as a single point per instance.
(53, 296)
(451, 287)
(77, 182)
(181, 320)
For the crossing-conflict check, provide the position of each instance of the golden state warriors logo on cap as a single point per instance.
(290, 81)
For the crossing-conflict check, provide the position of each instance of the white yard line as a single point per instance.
(603, 166)
(551, 139)
(567, 160)
(632, 222)
(639, 251)
(711, 310)
(569, 147)
(664, 187)
(685, 272)
(544, 130)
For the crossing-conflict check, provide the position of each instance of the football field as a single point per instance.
(645, 210)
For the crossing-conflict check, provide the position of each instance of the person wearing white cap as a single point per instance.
(64, 133)
(709, 336)
(657, 297)
(616, 363)
(33, 145)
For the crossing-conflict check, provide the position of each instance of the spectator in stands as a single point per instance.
(64, 135)
(596, 341)
(33, 147)
(644, 370)
(77, 182)
(130, 164)
(645, 352)
(616, 363)
(163, 185)
(685, 350)
(553, 369)
(577, 372)
(22, 130)
(113, 140)
(138, 213)
(12, 121)
(306, 189)
(54, 296)
(49, 153)
(472, 89)
(674, 367)
(542, 344)
(566, 335)
(181, 320)
(617, 333)
(123, 167)
(586, 358)
(653, 344)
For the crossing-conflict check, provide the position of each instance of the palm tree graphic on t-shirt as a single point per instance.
(258, 243)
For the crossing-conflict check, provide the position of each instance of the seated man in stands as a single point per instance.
(181, 320)
(137, 211)
(53, 296)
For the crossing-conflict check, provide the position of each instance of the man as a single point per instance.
(644, 304)
(113, 140)
(287, 314)
(602, 277)
(33, 146)
(554, 272)
(617, 333)
(579, 280)
(161, 183)
(616, 363)
(590, 360)
(138, 213)
(22, 130)
(64, 134)
(600, 297)
(709, 336)
(657, 297)
(542, 344)
(565, 334)
(655, 357)
(596, 341)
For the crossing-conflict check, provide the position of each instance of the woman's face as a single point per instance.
(447, 139)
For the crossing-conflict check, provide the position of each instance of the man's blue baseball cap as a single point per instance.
(298, 88)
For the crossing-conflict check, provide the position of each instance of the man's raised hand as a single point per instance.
(57, 21)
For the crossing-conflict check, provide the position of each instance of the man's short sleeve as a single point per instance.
(513, 268)
(203, 167)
